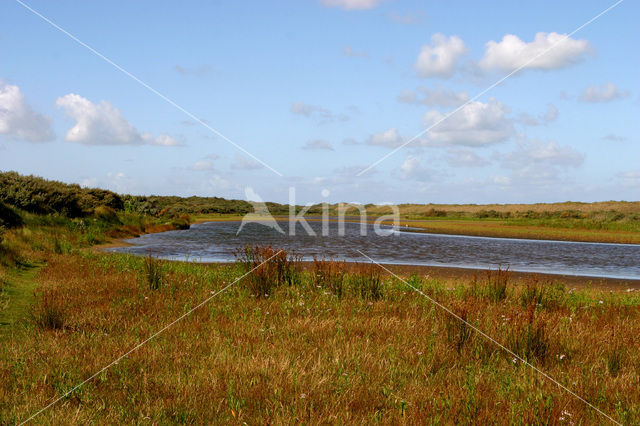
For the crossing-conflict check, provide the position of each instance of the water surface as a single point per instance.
(216, 242)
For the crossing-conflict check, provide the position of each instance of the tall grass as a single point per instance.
(329, 274)
(268, 268)
(153, 271)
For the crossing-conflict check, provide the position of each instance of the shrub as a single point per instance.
(105, 213)
(42, 196)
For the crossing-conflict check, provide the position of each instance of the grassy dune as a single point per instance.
(329, 344)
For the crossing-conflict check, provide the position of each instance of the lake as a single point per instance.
(216, 242)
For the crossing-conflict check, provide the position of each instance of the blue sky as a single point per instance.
(320, 90)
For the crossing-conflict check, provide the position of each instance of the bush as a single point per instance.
(37, 195)
(8, 217)
(105, 213)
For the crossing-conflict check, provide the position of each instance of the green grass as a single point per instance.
(18, 296)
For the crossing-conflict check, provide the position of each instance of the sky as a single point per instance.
(368, 101)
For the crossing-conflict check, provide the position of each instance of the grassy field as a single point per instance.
(329, 344)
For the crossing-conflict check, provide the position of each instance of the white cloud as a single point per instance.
(202, 165)
(103, 124)
(352, 53)
(390, 138)
(243, 163)
(605, 93)
(165, 140)
(438, 96)
(413, 169)
(614, 138)
(318, 113)
(631, 178)
(476, 124)
(512, 53)
(457, 157)
(351, 4)
(500, 180)
(549, 116)
(18, 121)
(533, 152)
(318, 144)
(441, 57)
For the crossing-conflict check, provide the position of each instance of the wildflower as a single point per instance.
(514, 360)
(601, 302)
(303, 396)
(562, 356)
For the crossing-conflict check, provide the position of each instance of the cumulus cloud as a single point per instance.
(457, 157)
(18, 121)
(438, 96)
(352, 53)
(103, 124)
(318, 144)
(533, 152)
(243, 163)
(605, 93)
(351, 4)
(390, 138)
(550, 50)
(161, 140)
(440, 58)
(476, 124)
(413, 169)
(549, 116)
(318, 113)
(202, 165)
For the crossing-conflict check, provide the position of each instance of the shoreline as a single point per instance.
(449, 274)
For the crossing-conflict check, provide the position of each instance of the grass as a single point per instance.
(338, 343)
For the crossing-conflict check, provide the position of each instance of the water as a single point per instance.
(216, 241)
